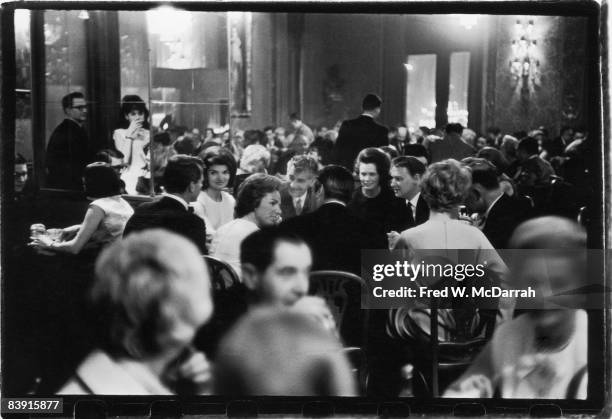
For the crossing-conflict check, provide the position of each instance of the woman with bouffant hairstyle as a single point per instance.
(374, 200)
(151, 293)
(444, 187)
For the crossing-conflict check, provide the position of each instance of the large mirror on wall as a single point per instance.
(146, 85)
(150, 83)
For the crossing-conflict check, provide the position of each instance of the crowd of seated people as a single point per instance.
(274, 206)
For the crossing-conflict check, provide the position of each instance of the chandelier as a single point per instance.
(524, 65)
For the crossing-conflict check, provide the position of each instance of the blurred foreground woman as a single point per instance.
(278, 352)
(541, 353)
(151, 294)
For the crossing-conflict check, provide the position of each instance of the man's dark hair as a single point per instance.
(252, 190)
(410, 163)
(180, 172)
(106, 154)
(258, 247)
(455, 127)
(371, 102)
(522, 134)
(254, 136)
(484, 172)
(19, 159)
(268, 128)
(338, 183)
(101, 180)
(416, 150)
(294, 116)
(69, 98)
(162, 138)
(494, 130)
(529, 145)
(425, 130)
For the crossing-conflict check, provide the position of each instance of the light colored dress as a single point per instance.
(100, 374)
(117, 212)
(215, 214)
(459, 241)
(227, 240)
(133, 156)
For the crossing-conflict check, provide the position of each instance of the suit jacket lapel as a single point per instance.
(287, 205)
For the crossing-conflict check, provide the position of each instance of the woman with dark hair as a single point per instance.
(257, 205)
(214, 205)
(105, 218)
(375, 201)
(131, 137)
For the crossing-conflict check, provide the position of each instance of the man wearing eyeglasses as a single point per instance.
(21, 174)
(68, 149)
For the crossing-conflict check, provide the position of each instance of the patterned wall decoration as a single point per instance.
(555, 96)
(573, 99)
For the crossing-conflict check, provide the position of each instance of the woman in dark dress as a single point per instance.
(375, 200)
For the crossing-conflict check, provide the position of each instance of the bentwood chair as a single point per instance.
(222, 275)
(342, 292)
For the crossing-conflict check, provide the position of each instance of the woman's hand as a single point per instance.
(133, 128)
(197, 371)
(41, 242)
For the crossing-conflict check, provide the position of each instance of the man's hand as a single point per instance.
(392, 238)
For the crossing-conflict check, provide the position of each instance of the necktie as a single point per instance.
(410, 214)
(190, 210)
(298, 206)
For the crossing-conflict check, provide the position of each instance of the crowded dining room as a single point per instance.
(220, 202)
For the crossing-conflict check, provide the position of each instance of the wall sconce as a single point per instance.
(524, 66)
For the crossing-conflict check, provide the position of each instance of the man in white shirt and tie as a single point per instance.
(406, 173)
(299, 196)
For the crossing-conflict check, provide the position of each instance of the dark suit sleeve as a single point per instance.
(383, 138)
(337, 151)
(198, 234)
(342, 133)
(372, 236)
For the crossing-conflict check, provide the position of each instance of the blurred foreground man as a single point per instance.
(541, 353)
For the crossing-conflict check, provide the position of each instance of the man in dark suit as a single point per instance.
(500, 213)
(183, 181)
(68, 151)
(299, 197)
(406, 173)
(335, 236)
(452, 146)
(359, 133)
